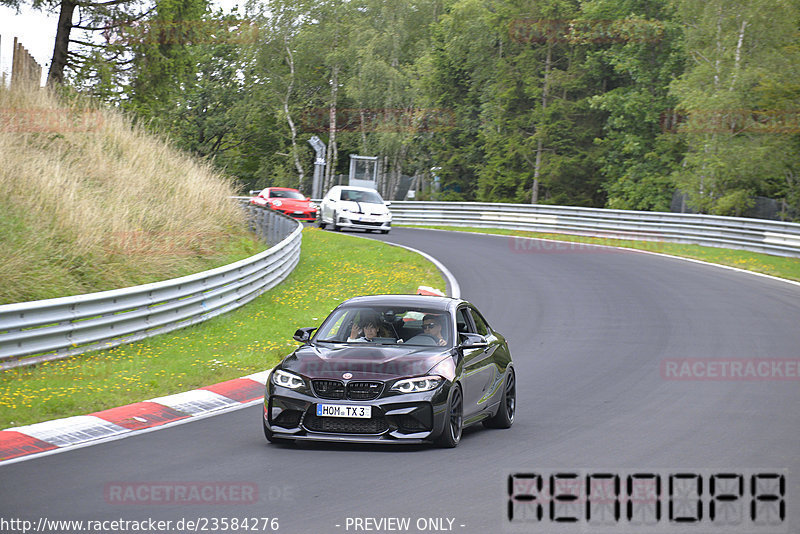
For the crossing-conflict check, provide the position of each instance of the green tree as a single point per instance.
(638, 149)
(743, 55)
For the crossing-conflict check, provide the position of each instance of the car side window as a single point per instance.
(480, 324)
(463, 324)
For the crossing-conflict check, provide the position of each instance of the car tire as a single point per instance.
(271, 437)
(336, 227)
(384, 231)
(454, 423)
(504, 417)
(320, 222)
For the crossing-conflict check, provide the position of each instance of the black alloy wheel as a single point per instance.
(451, 434)
(504, 417)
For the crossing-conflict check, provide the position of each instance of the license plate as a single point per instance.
(369, 219)
(342, 410)
(298, 213)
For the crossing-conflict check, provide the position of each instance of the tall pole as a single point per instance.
(319, 166)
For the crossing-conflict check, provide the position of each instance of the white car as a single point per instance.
(348, 206)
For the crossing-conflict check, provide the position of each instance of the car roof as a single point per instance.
(282, 189)
(427, 301)
(356, 188)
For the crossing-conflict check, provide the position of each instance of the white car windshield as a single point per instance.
(369, 197)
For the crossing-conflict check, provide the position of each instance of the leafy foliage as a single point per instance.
(615, 103)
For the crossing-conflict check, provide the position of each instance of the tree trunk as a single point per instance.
(56, 74)
(330, 165)
(295, 155)
(537, 168)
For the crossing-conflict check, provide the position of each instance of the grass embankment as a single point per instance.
(332, 268)
(89, 202)
(781, 267)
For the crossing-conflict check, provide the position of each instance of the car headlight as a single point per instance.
(417, 385)
(287, 380)
(277, 203)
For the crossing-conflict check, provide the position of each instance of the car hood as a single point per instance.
(292, 203)
(369, 362)
(363, 207)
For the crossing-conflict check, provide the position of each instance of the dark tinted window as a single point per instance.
(286, 194)
(480, 324)
(462, 321)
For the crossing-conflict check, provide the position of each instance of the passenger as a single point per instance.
(432, 325)
(365, 330)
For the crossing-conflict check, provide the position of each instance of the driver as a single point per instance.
(432, 325)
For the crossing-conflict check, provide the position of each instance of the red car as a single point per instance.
(288, 201)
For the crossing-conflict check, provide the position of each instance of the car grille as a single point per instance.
(328, 389)
(364, 390)
(345, 425)
(336, 390)
(299, 215)
(365, 223)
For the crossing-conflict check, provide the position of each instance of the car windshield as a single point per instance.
(368, 197)
(286, 194)
(387, 326)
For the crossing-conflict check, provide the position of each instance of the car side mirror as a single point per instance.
(303, 335)
(472, 341)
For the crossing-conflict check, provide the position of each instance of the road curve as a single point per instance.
(590, 330)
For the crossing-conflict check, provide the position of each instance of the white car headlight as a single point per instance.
(277, 203)
(417, 385)
(286, 380)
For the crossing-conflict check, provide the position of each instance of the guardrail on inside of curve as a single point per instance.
(44, 330)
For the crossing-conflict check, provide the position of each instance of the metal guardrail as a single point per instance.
(44, 330)
(770, 237)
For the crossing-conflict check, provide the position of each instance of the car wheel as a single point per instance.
(384, 231)
(451, 434)
(336, 227)
(271, 437)
(320, 222)
(504, 417)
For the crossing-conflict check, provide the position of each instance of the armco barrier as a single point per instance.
(755, 235)
(39, 331)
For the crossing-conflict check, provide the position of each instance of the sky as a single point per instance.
(36, 30)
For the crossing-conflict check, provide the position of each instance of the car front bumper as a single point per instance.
(299, 215)
(409, 418)
(381, 223)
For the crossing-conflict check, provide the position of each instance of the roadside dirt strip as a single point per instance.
(81, 430)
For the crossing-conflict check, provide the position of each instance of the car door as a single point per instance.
(479, 370)
(496, 361)
(329, 204)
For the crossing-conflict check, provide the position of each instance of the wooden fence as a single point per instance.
(24, 69)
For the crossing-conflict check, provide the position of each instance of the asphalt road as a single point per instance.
(592, 332)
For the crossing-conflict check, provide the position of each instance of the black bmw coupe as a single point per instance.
(392, 369)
